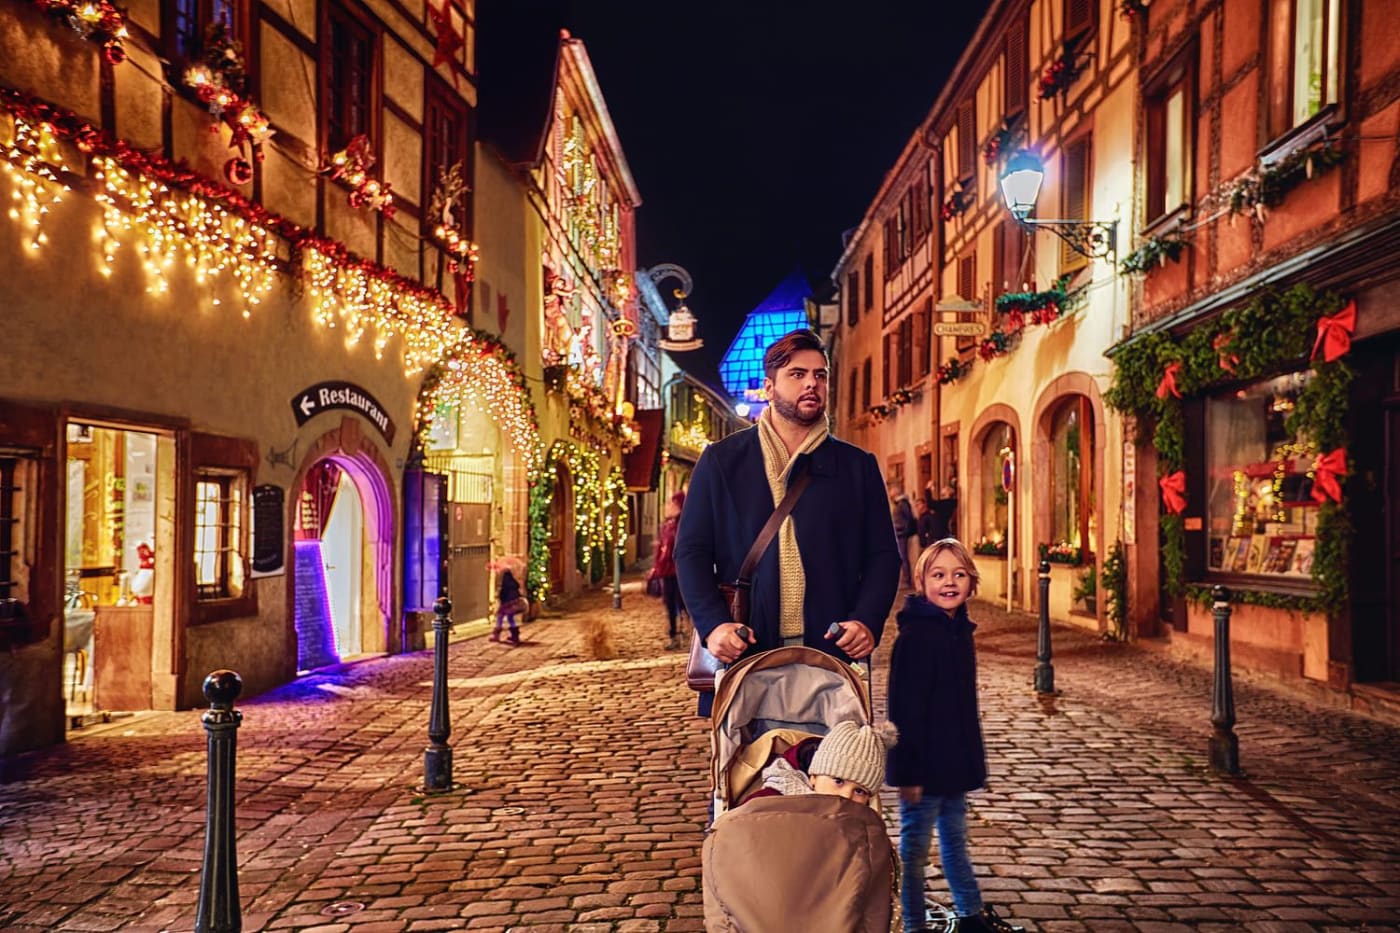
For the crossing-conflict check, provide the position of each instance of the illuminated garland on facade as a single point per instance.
(95, 20)
(480, 369)
(173, 211)
(590, 533)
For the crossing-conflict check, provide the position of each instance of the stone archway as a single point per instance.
(363, 463)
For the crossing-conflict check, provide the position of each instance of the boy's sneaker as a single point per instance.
(495, 636)
(987, 922)
(515, 638)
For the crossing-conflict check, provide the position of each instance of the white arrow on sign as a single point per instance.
(307, 406)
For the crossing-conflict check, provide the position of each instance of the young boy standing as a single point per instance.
(940, 756)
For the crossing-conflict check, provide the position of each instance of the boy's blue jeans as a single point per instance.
(916, 823)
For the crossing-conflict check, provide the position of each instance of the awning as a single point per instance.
(642, 467)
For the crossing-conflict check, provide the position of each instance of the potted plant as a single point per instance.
(1087, 589)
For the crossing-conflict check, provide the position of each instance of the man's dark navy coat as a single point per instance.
(844, 533)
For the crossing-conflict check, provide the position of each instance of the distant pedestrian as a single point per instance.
(943, 510)
(663, 569)
(510, 603)
(906, 530)
(940, 755)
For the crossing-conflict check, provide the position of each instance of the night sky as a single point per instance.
(759, 130)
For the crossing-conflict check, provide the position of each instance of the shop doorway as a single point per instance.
(343, 550)
(561, 530)
(118, 570)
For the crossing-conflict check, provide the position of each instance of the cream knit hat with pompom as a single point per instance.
(855, 753)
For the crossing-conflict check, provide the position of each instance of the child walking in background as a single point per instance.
(509, 604)
(940, 756)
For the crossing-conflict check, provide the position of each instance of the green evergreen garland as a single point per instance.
(1272, 333)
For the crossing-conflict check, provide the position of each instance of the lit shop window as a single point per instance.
(218, 535)
(994, 495)
(1259, 495)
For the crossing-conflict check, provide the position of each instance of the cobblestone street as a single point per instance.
(582, 799)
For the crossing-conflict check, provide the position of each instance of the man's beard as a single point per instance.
(791, 411)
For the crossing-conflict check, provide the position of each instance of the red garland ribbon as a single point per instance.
(448, 41)
(1334, 333)
(1168, 383)
(1328, 467)
(1174, 491)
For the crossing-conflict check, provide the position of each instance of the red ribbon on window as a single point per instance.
(1174, 491)
(1334, 333)
(1328, 467)
(1168, 383)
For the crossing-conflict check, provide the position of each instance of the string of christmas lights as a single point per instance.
(29, 155)
(480, 369)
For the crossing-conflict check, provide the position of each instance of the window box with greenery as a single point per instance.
(1062, 552)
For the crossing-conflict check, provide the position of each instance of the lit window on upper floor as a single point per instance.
(1305, 56)
(1169, 141)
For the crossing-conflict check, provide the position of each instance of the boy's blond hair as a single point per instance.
(958, 550)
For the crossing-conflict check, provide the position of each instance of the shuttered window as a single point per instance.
(1074, 196)
(1007, 258)
(865, 384)
(1079, 18)
(967, 140)
(886, 369)
(1017, 83)
(921, 339)
(852, 297)
(869, 282)
(967, 290)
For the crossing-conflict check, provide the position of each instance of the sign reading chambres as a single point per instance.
(324, 396)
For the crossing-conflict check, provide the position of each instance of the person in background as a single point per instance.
(510, 603)
(944, 510)
(906, 530)
(663, 569)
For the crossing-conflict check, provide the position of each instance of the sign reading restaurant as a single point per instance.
(324, 396)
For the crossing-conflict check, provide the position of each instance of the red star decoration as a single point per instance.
(448, 41)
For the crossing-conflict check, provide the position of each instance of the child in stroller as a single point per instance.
(806, 861)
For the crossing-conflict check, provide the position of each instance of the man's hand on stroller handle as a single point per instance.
(853, 638)
(728, 641)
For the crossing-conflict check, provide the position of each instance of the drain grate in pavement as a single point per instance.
(342, 908)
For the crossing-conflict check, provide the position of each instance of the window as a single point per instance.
(869, 282)
(1074, 196)
(1169, 143)
(967, 290)
(1079, 20)
(1259, 504)
(1008, 244)
(904, 352)
(444, 145)
(852, 297)
(994, 497)
(1305, 57)
(886, 365)
(349, 71)
(1071, 487)
(851, 396)
(219, 535)
(923, 326)
(865, 384)
(186, 23)
(967, 141)
(1017, 85)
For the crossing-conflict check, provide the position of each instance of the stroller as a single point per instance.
(811, 862)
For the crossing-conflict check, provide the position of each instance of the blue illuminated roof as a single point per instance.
(782, 312)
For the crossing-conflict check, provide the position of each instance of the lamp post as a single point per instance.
(1020, 186)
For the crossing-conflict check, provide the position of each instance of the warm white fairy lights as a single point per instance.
(32, 162)
(476, 372)
(173, 225)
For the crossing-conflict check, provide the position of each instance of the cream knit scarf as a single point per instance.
(792, 579)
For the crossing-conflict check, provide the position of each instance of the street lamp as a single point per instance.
(1020, 186)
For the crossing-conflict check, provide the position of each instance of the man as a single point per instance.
(834, 559)
(943, 511)
(905, 528)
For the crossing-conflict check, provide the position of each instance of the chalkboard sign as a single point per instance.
(269, 538)
(312, 610)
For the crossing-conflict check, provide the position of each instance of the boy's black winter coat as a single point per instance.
(933, 702)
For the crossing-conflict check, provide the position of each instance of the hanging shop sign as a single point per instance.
(269, 531)
(959, 329)
(325, 396)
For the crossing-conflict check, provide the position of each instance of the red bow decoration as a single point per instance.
(1174, 491)
(448, 41)
(1228, 360)
(1334, 333)
(1328, 467)
(1168, 383)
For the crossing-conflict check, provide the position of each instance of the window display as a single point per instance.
(994, 496)
(1262, 516)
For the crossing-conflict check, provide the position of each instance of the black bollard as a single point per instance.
(1044, 670)
(219, 910)
(1224, 744)
(437, 760)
